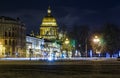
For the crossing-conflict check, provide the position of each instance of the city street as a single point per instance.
(60, 39)
(60, 69)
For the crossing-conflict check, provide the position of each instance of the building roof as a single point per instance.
(49, 20)
(12, 20)
(7, 18)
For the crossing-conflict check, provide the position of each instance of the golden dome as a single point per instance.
(49, 20)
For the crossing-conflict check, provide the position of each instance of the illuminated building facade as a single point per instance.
(49, 27)
(49, 32)
(36, 45)
(12, 37)
(52, 49)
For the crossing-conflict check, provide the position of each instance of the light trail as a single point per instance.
(49, 59)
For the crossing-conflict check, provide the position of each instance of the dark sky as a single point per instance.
(69, 12)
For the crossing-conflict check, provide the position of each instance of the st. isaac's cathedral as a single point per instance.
(56, 43)
(49, 32)
(49, 27)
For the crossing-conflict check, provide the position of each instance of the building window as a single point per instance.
(2, 53)
(13, 42)
(12, 34)
(5, 42)
(9, 34)
(5, 34)
(13, 29)
(15, 35)
(9, 42)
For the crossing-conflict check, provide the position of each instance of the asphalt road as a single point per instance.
(95, 70)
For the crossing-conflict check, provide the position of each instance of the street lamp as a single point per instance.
(86, 47)
(31, 53)
(2, 50)
(67, 42)
(96, 40)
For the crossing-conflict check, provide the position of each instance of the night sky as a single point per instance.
(67, 12)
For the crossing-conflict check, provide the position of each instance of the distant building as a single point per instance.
(34, 46)
(12, 37)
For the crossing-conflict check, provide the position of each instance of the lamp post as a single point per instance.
(96, 40)
(86, 47)
(30, 53)
(67, 42)
(0, 49)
